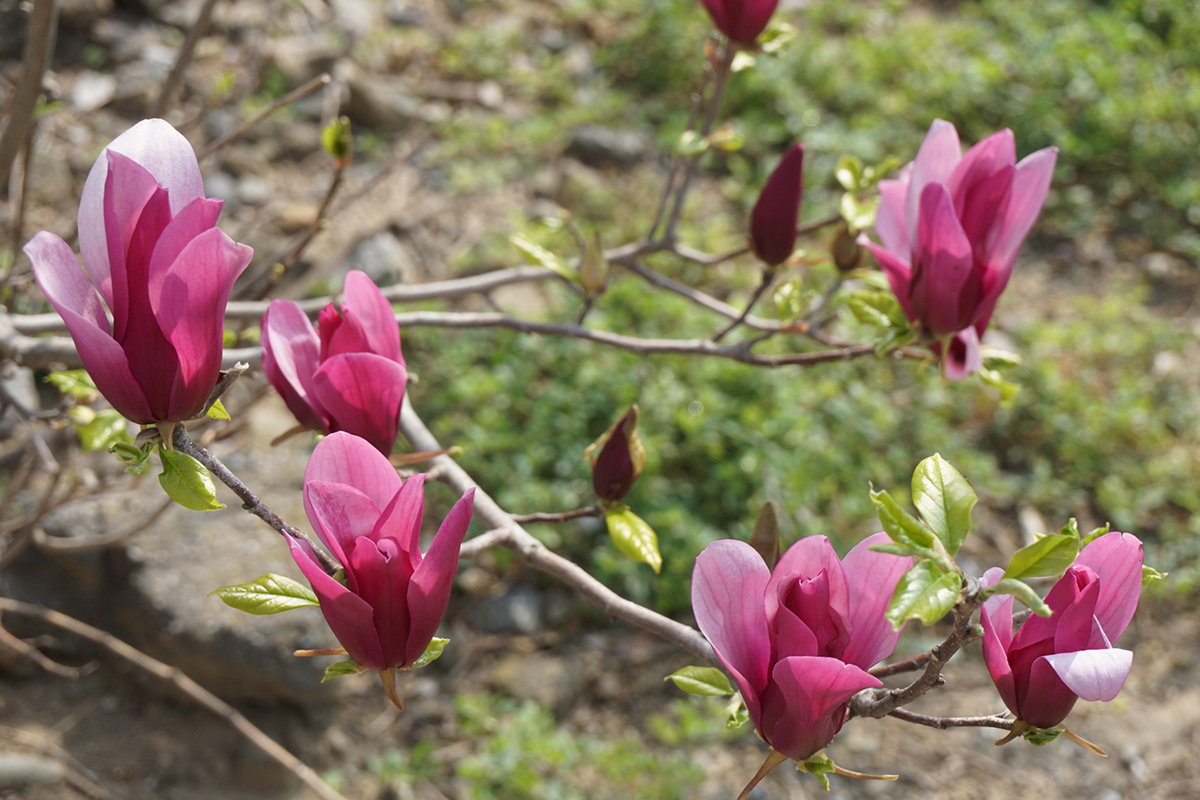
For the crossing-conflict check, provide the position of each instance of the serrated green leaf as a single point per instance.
(341, 669)
(925, 593)
(187, 482)
(105, 429)
(902, 527)
(633, 536)
(702, 681)
(819, 767)
(268, 594)
(217, 411)
(1048, 556)
(1150, 575)
(848, 172)
(945, 500)
(736, 713)
(539, 256)
(1023, 592)
(74, 382)
(432, 653)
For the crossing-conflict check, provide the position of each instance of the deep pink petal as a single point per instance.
(429, 591)
(996, 617)
(1076, 622)
(944, 288)
(1066, 592)
(816, 691)
(362, 393)
(890, 226)
(340, 514)
(1093, 674)
(773, 221)
(381, 577)
(1116, 558)
(191, 311)
(345, 458)
(808, 557)
(290, 357)
(729, 583)
(1031, 182)
(935, 161)
(369, 324)
(197, 217)
(1046, 701)
(871, 580)
(980, 186)
(898, 273)
(401, 519)
(350, 617)
(62, 280)
(135, 211)
(964, 357)
(804, 607)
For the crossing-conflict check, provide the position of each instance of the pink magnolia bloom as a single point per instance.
(773, 221)
(1053, 661)
(950, 228)
(394, 597)
(797, 641)
(157, 263)
(349, 378)
(741, 20)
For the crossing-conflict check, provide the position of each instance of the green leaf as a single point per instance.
(341, 669)
(902, 527)
(104, 430)
(217, 411)
(790, 300)
(898, 550)
(1071, 528)
(74, 382)
(268, 594)
(777, 36)
(136, 457)
(1150, 575)
(432, 653)
(736, 713)
(633, 536)
(858, 214)
(1097, 533)
(925, 593)
(187, 482)
(336, 138)
(1040, 736)
(691, 143)
(1023, 592)
(1008, 389)
(873, 307)
(742, 61)
(819, 767)
(945, 500)
(849, 172)
(727, 139)
(539, 256)
(703, 681)
(1048, 556)
(874, 174)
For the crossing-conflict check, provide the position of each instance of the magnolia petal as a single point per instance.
(1117, 559)
(729, 583)
(1077, 621)
(1031, 183)
(815, 692)
(935, 161)
(1045, 700)
(1093, 674)
(381, 577)
(429, 591)
(980, 186)
(132, 200)
(808, 557)
(942, 264)
(369, 323)
(349, 616)
(362, 393)
(291, 354)
(401, 519)
(197, 217)
(890, 226)
(340, 514)
(963, 356)
(348, 459)
(62, 280)
(871, 580)
(898, 273)
(997, 621)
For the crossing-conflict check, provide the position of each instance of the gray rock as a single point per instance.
(383, 258)
(219, 184)
(301, 58)
(382, 104)
(253, 190)
(545, 679)
(93, 90)
(597, 146)
(518, 610)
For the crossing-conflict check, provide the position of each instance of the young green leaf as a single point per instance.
(105, 429)
(1097, 533)
(187, 482)
(268, 594)
(703, 681)
(819, 766)
(945, 500)
(1150, 575)
(736, 713)
(539, 256)
(925, 593)
(849, 172)
(217, 411)
(432, 653)
(633, 536)
(904, 528)
(1048, 556)
(1023, 592)
(341, 669)
(76, 383)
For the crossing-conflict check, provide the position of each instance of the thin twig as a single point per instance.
(21, 187)
(195, 33)
(508, 533)
(250, 502)
(39, 46)
(316, 83)
(561, 516)
(41, 659)
(677, 160)
(942, 723)
(77, 544)
(767, 276)
(901, 667)
(182, 682)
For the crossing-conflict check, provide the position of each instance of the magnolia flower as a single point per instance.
(741, 20)
(950, 228)
(394, 597)
(155, 263)
(773, 222)
(1053, 661)
(797, 641)
(350, 377)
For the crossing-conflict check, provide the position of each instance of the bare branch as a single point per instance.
(195, 33)
(942, 723)
(39, 46)
(316, 83)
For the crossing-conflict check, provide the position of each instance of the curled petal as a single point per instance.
(808, 558)
(889, 218)
(429, 591)
(362, 393)
(1093, 674)
(996, 617)
(871, 580)
(1116, 558)
(349, 616)
(815, 692)
(935, 161)
(963, 356)
(369, 324)
(340, 514)
(1031, 183)
(943, 286)
(291, 353)
(343, 458)
(382, 576)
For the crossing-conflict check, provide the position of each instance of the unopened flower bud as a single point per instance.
(617, 458)
(847, 253)
(773, 221)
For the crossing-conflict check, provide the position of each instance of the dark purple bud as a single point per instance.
(773, 222)
(617, 458)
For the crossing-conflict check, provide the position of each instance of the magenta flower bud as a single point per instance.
(351, 377)
(620, 458)
(951, 226)
(394, 597)
(797, 640)
(741, 20)
(773, 222)
(1053, 661)
(157, 263)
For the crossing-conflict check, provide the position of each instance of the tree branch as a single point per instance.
(942, 723)
(39, 45)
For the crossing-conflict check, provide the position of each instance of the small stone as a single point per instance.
(295, 217)
(383, 258)
(518, 610)
(223, 186)
(542, 678)
(253, 190)
(597, 146)
(92, 90)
